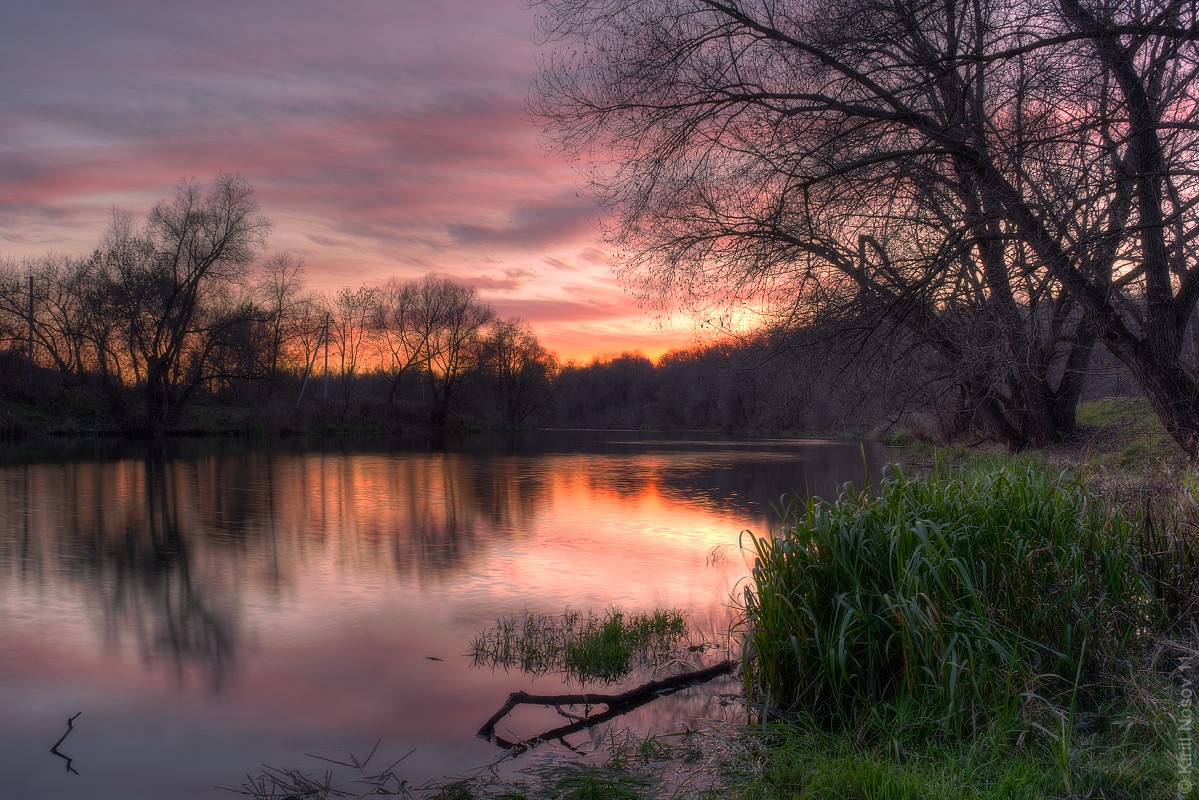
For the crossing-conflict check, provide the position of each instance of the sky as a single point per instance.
(384, 138)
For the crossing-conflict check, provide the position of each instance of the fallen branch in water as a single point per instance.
(63, 738)
(617, 704)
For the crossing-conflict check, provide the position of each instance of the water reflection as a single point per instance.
(294, 592)
(160, 548)
(123, 537)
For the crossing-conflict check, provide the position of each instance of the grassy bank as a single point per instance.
(992, 631)
(930, 594)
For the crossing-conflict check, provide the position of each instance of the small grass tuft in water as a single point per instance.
(581, 646)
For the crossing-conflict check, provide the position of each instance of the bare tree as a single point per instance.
(1031, 162)
(351, 332)
(174, 287)
(121, 253)
(405, 326)
(453, 318)
(519, 369)
(48, 298)
(281, 298)
(13, 320)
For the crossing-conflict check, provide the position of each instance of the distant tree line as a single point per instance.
(189, 306)
(813, 379)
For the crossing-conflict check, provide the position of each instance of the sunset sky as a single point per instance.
(384, 137)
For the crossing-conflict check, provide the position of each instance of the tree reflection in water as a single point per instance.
(115, 533)
(160, 547)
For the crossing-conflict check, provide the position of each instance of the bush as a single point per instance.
(957, 594)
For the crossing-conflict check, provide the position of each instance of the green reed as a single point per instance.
(580, 645)
(950, 598)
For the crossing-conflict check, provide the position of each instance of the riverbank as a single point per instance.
(1120, 726)
(81, 414)
(1123, 741)
(1120, 432)
(999, 627)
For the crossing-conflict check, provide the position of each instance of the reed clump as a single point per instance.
(955, 597)
(581, 646)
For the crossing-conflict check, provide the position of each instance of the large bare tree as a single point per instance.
(404, 328)
(1013, 178)
(178, 292)
(519, 369)
(451, 319)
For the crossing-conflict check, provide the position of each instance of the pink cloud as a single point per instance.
(594, 255)
(531, 226)
(383, 138)
(513, 279)
(561, 264)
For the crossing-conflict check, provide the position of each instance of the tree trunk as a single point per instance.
(1069, 390)
(1173, 395)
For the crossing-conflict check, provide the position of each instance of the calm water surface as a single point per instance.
(211, 608)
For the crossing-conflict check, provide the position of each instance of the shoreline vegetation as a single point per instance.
(981, 625)
(956, 649)
(184, 326)
(1121, 432)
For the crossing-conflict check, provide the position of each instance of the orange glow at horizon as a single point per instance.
(375, 152)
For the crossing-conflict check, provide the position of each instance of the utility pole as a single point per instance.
(326, 355)
(316, 352)
(31, 328)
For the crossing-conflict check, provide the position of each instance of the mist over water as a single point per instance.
(210, 607)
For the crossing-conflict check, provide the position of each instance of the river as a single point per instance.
(210, 607)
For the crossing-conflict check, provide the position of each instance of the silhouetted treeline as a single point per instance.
(189, 307)
(817, 379)
(767, 383)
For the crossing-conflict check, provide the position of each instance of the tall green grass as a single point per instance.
(952, 599)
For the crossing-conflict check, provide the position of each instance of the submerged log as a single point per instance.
(617, 704)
